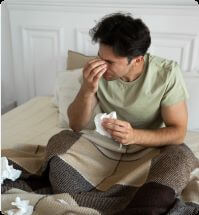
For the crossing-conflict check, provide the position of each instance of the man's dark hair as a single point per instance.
(127, 36)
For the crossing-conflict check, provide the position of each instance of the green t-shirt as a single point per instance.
(139, 101)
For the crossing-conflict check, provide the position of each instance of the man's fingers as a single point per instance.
(94, 63)
(101, 68)
(91, 61)
(99, 75)
(114, 127)
(115, 121)
(89, 71)
(116, 134)
(118, 129)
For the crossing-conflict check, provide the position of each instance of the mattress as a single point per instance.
(32, 123)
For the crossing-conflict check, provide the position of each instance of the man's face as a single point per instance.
(117, 66)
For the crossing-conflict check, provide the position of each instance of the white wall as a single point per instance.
(37, 34)
(8, 96)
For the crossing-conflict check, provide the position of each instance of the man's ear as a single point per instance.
(138, 60)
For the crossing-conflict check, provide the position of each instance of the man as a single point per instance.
(144, 90)
(148, 95)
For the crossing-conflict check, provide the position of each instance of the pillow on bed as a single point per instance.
(67, 86)
(67, 81)
(76, 60)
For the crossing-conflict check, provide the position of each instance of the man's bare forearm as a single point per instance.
(159, 137)
(80, 111)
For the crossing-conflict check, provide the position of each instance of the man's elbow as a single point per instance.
(179, 141)
(181, 135)
(75, 128)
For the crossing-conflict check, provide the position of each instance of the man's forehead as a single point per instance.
(107, 58)
(106, 54)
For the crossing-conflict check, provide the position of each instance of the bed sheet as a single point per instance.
(32, 123)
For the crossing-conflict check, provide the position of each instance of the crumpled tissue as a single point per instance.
(23, 207)
(7, 171)
(98, 122)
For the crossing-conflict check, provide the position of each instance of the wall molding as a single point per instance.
(134, 2)
(186, 43)
(84, 43)
(29, 35)
(146, 7)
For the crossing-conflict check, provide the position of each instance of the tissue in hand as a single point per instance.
(23, 207)
(8, 172)
(98, 122)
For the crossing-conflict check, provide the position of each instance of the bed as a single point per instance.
(30, 124)
(27, 129)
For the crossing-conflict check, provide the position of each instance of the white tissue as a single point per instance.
(23, 207)
(8, 172)
(98, 122)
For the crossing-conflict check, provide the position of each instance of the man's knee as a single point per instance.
(172, 167)
(180, 155)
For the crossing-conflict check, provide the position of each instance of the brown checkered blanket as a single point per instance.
(80, 173)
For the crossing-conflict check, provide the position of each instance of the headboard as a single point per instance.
(42, 32)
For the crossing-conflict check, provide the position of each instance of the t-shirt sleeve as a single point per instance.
(175, 90)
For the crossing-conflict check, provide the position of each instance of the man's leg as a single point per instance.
(168, 176)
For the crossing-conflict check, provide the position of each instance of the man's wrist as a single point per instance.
(85, 93)
(135, 136)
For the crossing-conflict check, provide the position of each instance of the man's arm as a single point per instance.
(81, 109)
(175, 118)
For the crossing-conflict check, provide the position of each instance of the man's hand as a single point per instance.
(92, 72)
(175, 119)
(121, 131)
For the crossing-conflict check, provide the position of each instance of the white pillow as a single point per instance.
(67, 86)
(68, 81)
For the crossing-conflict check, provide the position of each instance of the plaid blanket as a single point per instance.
(79, 173)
